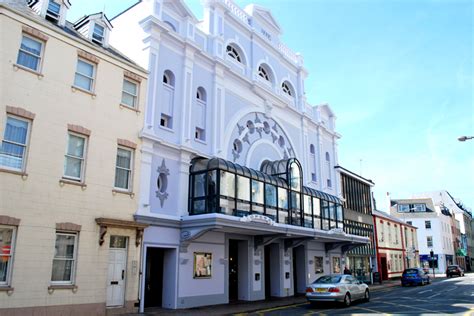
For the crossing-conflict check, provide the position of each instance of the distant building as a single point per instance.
(396, 245)
(463, 215)
(71, 109)
(357, 197)
(434, 230)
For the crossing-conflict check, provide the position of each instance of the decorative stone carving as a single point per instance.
(162, 183)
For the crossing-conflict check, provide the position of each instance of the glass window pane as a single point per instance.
(118, 242)
(316, 207)
(83, 82)
(283, 217)
(295, 200)
(124, 158)
(257, 191)
(16, 130)
(54, 7)
(75, 146)
(11, 155)
(270, 195)
(282, 198)
(4, 263)
(28, 60)
(62, 270)
(227, 184)
(30, 45)
(85, 68)
(332, 211)
(199, 188)
(199, 206)
(64, 246)
(339, 213)
(122, 178)
(129, 87)
(243, 188)
(72, 167)
(295, 176)
(128, 99)
(307, 205)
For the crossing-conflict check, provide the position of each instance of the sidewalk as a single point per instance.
(246, 306)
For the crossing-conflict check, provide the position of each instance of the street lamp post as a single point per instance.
(464, 138)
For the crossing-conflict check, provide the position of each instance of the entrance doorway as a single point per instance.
(117, 271)
(383, 268)
(238, 270)
(272, 270)
(233, 270)
(154, 277)
(299, 277)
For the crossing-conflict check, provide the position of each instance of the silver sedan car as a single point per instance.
(337, 288)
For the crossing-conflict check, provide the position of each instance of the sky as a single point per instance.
(398, 74)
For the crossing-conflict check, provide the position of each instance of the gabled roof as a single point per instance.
(181, 8)
(254, 10)
(91, 17)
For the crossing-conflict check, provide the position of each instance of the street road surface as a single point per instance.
(445, 296)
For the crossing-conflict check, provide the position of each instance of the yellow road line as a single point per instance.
(369, 310)
(280, 308)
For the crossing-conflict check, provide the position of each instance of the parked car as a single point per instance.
(454, 270)
(415, 276)
(337, 288)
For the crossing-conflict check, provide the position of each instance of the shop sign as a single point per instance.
(256, 218)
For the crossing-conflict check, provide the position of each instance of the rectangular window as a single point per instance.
(14, 144)
(419, 207)
(85, 73)
(64, 261)
(52, 13)
(428, 224)
(123, 169)
(200, 134)
(75, 157)
(30, 52)
(129, 93)
(403, 208)
(98, 34)
(318, 265)
(429, 241)
(166, 121)
(7, 238)
(313, 176)
(409, 222)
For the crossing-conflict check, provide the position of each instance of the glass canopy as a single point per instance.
(277, 191)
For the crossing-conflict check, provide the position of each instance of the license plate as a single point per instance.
(321, 290)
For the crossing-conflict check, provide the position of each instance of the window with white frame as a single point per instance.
(428, 224)
(7, 244)
(85, 75)
(98, 34)
(395, 233)
(312, 155)
(64, 261)
(233, 53)
(328, 165)
(287, 89)
(75, 157)
(123, 169)
(429, 241)
(167, 99)
(201, 99)
(200, 134)
(129, 93)
(262, 72)
(15, 143)
(30, 53)
(53, 11)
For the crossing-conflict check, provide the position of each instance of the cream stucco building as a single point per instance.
(71, 109)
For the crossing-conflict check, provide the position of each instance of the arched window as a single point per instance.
(328, 164)
(262, 72)
(167, 99)
(200, 114)
(168, 78)
(170, 25)
(234, 53)
(287, 88)
(201, 94)
(312, 161)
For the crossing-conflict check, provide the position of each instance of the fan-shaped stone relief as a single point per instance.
(252, 128)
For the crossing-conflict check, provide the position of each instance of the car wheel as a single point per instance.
(347, 300)
(367, 295)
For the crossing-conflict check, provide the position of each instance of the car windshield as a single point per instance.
(411, 271)
(328, 279)
(452, 267)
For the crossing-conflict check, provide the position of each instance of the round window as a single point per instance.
(162, 182)
(237, 146)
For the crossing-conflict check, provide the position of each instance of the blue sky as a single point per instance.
(398, 75)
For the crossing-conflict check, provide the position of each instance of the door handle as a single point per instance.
(114, 283)
(123, 274)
